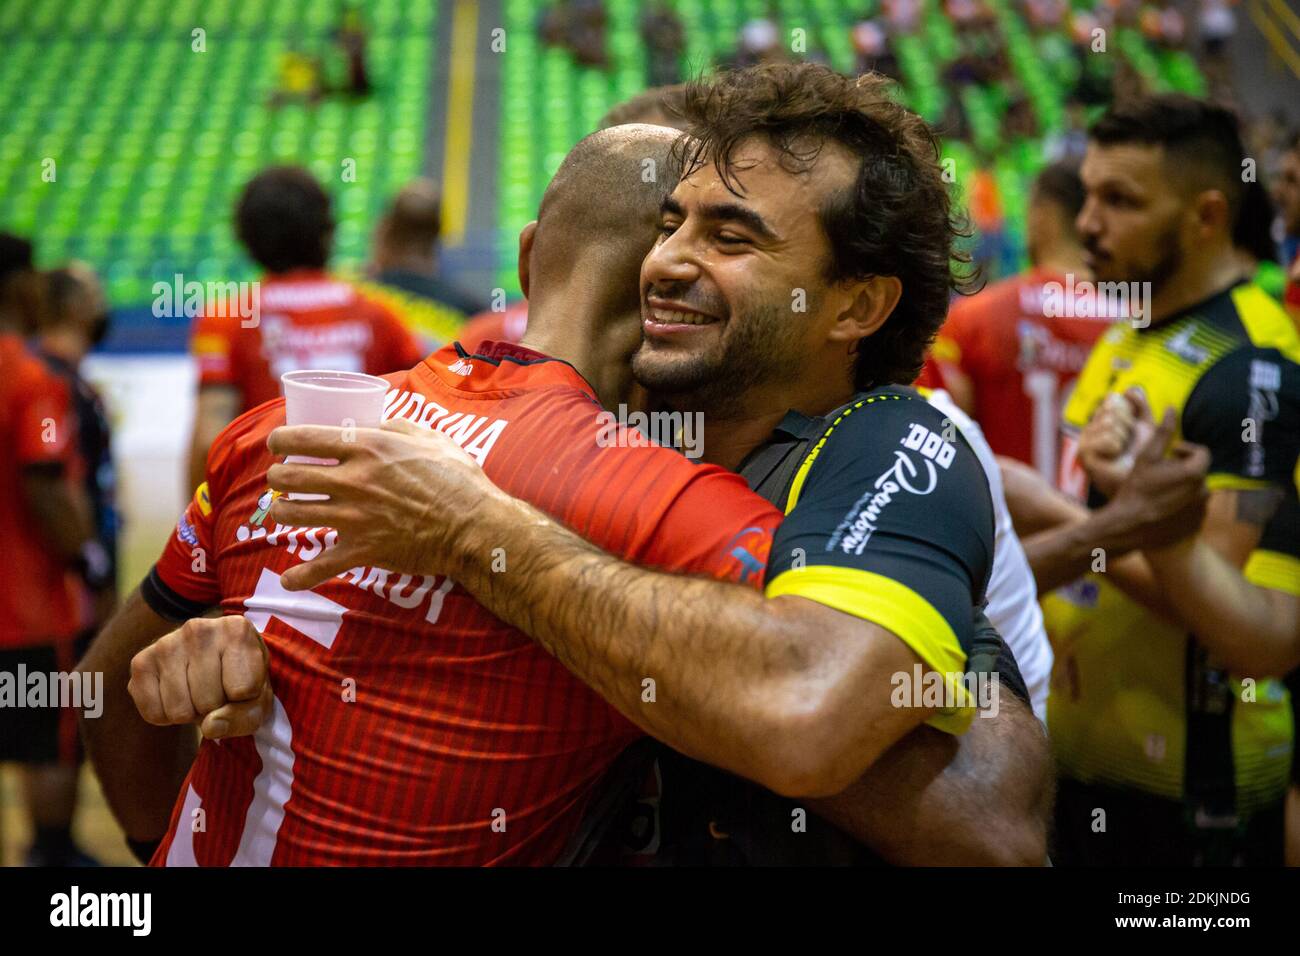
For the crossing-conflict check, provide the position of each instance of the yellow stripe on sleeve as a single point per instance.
(900, 610)
(1274, 570)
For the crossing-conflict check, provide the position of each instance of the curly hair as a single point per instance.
(283, 218)
(896, 219)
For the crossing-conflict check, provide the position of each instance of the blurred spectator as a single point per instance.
(76, 320)
(1044, 15)
(351, 37)
(299, 77)
(45, 526)
(903, 16)
(1019, 121)
(873, 50)
(665, 39)
(1070, 142)
(578, 25)
(760, 42)
(1096, 69)
(404, 266)
(303, 318)
(1216, 26)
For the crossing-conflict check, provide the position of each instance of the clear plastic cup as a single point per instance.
(324, 397)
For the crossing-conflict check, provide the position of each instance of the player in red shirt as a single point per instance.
(303, 317)
(45, 528)
(1009, 355)
(461, 719)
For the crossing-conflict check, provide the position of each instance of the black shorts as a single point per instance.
(1145, 830)
(38, 735)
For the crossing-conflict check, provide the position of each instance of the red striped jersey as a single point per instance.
(411, 726)
(38, 600)
(304, 319)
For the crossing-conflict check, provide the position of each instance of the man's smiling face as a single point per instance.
(733, 291)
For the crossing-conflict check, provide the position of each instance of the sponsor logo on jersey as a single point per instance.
(461, 367)
(263, 506)
(1180, 344)
(185, 531)
(1265, 380)
(904, 475)
(203, 500)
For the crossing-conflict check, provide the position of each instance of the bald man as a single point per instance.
(529, 415)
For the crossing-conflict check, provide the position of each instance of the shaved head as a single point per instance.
(598, 214)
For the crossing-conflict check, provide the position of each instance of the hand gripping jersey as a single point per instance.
(303, 319)
(410, 726)
(38, 430)
(1022, 342)
(1136, 702)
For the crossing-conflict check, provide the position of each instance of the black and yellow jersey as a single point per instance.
(1246, 410)
(1136, 702)
(436, 321)
(889, 518)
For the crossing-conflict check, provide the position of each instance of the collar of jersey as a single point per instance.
(495, 366)
(1193, 309)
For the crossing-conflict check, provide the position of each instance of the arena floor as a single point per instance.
(95, 830)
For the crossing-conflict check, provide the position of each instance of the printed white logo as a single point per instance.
(862, 520)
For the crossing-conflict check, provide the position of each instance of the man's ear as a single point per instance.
(871, 302)
(526, 236)
(1212, 212)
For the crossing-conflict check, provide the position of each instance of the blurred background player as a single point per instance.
(308, 319)
(403, 269)
(1007, 355)
(45, 524)
(1147, 724)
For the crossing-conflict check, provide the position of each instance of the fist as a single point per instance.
(209, 671)
(1109, 443)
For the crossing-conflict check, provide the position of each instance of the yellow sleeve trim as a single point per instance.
(900, 610)
(796, 487)
(1230, 482)
(1274, 570)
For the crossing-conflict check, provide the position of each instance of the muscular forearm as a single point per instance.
(1251, 630)
(933, 799)
(1064, 553)
(140, 766)
(712, 669)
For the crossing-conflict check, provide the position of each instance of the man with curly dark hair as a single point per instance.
(822, 225)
